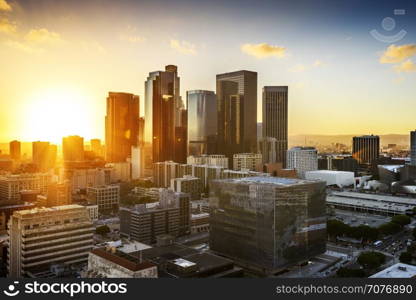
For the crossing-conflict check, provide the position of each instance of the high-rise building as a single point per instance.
(58, 194)
(366, 148)
(302, 159)
(211, 160)
(162, 105)
(202, 122)
(181, 137)
(237, 112)
(247, 161)
(121, 125)
(41, 237)
(73, 148)
(44, 155)
(275, 118)
(413, 148)
(187, 184)
(14, 150)
(268, 149)
(267, 223)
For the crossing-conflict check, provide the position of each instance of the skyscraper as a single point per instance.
(302, 159)
(266, 223)
(202, 122)
(275, 118)
(413, 148)
(162, 102)
(96, 147)
(267, 148)
(237, 112)
(121, 125)
(14, 150)
(366, 148)
(73, 148)
(44, 155)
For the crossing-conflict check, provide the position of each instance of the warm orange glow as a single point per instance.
(57, 112)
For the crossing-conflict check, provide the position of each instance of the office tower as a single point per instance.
(58, 194)
(73, 148)
(14, 150)
(121, 171)
(210, 160)
(137, 162)
(247, 161)
(413, 148)
(302, 159)
(366, 148)
(121, 125)
(266, 223)
(163, 172)
(41, 237)
(187, 184)
(275, 118)
(107, 197)
(181, 137)
(44, 155)
(202, 122)
(268, 149)
(96, 147)
(141, 132)
(237, 112)
(12, 185)
(162, 102)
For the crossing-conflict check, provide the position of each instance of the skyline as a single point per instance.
(337, 73)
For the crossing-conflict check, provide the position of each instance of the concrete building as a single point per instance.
(413, 148)
(267, 147)
(43, 155)
(12, 185)
(199, 223)
(210, 160)
(247, 161)
(163, 172)
(73, 148)
(137, 162)
(121, 171)
(237, 112)
(97, 148)
(80, 179)
(302, 159)
(57, 194)
(112, 263)
(106, 197)
(338, 178)
(275, 119)
(399, 270)
(187, 184)
(43, 236)
(202, 122)
(15, 150)
(366, 149)
(267, 223)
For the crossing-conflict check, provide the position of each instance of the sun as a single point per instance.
(57, 112)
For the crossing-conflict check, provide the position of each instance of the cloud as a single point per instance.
(93, 47)
(298, 68)
(396, 54)
(23, 47)
(302, 68)
(4, 6)
(406, 66)
(43, 36)
(183, 47)
(263, 50)
(7, 26)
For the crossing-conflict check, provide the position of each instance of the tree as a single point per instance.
(345, 272)
(402, 220)
(103, 230)
(406, 257)
(371, 259)
(337, 228)
(389, 228)
(365, 232)
(414, 232)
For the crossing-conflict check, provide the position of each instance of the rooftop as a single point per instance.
(272, 180)
(376, 197)
(398, 270)
(124, 260)
(47, 209)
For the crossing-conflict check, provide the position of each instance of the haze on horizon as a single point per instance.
(59, 59)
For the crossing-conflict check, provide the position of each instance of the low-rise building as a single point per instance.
(399, 270)
(106, 197)
(187, 184)
(247, 161)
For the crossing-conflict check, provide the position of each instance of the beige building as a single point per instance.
(106, 197)
(247, 161)
(41, 237)
(12, 185)
(187, 184)
(210, 160)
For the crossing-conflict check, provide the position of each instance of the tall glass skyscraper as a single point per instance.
(162, 111)
(121, 125)
(237, 112)
(202, 122)
(275, 118)
(413, 148)
(366, 148)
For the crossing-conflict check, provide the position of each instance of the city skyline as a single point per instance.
(52, 62)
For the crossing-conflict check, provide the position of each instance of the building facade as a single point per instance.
(247, 161)
(106, 197)
(275, 118)
(413, 148)
(365, 149)
(73, 148)
(302, 159)
(15, 150)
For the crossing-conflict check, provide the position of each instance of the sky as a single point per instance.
(350, 65)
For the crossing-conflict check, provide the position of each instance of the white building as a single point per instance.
(339, 178)
(398, 270)
(247, 161)
(210, 160)
(40, 237)
(302, 159)
(137, 162)
(106, 197)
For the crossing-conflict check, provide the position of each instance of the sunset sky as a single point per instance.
(59, 59)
